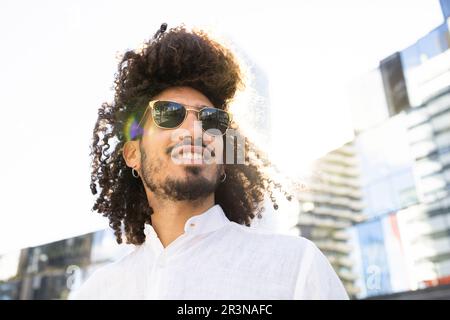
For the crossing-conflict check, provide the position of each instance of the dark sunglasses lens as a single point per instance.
(214, 119)
(168, 114)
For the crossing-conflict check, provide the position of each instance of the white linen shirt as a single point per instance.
(217, 259)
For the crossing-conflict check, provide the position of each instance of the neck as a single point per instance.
(169, 217)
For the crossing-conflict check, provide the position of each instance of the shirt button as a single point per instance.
(192, 225)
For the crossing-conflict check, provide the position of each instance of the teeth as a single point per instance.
(192, 156)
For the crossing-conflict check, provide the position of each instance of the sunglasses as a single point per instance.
(171, 115)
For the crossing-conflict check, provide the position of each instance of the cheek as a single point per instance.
(157, 141)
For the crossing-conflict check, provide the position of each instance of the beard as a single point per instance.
(194, 187)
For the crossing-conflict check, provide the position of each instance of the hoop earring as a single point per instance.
(134, 173)
(224, 178)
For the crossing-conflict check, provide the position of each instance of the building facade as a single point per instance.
(53, 270)
(405, 154)
(331, 204)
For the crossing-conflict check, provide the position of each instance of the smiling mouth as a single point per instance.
(189, 154)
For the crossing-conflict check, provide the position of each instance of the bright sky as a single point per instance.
(58, 61)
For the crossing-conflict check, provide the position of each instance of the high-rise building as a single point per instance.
(405, 170)
(388, 187)
(52, 270)
(329, 206)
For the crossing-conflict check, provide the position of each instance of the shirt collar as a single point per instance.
(211, 220)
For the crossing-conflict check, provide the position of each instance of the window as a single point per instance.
(434, 43)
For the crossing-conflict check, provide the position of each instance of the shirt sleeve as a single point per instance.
(93, 287)
(317, 279)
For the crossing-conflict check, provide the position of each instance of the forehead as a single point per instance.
(184, 95)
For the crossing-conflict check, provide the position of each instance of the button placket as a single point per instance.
(153, 280)
(162, 260)
(159, 267)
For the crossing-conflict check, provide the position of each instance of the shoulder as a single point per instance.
(314, 276)
(107, 280)
(268, 239)
(317, 278)
(267, 245)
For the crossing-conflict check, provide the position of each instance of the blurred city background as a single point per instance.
(378, 205)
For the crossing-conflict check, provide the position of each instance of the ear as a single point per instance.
(132, 154)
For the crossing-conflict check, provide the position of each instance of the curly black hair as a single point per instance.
(177, 57)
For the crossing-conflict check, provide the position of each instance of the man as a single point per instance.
(168, 182)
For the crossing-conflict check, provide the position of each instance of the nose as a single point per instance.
(191, 127)
(191, 123)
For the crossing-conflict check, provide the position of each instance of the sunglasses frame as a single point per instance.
(151, 107)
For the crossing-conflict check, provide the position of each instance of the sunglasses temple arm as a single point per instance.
(143, 116)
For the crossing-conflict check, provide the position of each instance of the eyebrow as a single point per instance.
(197, 106)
